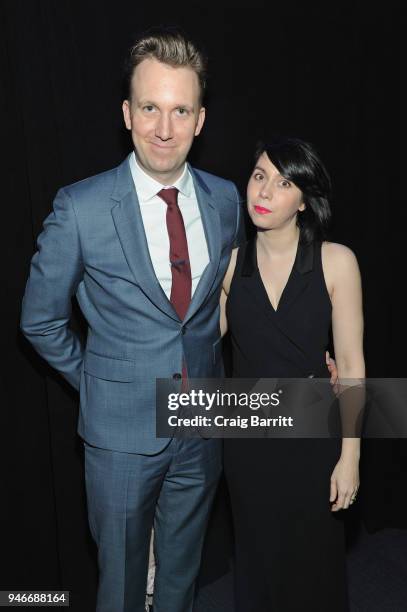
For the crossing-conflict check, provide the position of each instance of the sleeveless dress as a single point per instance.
(289, 546)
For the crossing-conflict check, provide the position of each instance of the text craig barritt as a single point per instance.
(222, 421)
(208, 401)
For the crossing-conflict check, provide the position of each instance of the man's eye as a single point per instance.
(148, 108)
(182, 111)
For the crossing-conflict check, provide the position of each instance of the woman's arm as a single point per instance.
(343, 280)
(225, 292)
(223, 319)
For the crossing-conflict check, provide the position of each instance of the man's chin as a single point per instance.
(164, 168)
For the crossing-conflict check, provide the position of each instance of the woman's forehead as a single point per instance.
(265, 165)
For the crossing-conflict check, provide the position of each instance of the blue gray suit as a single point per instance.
(93, 245)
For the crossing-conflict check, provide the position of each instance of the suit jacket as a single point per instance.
(93, 245)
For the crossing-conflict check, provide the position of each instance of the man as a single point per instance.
(144, 247)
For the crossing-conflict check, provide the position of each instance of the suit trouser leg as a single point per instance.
(122, 491)
(181, 519)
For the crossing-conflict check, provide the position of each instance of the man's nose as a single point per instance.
(163, 128)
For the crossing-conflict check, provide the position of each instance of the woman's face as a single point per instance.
(272, 200)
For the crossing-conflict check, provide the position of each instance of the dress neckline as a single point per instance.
(297, 280)
(289, 278)
(304, 261)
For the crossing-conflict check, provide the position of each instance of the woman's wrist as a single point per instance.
(350, 449)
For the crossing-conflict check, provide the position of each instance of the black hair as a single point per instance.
(299, 162)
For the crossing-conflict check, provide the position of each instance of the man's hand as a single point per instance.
(333, 370)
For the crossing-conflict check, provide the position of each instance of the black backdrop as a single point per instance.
(331, 74)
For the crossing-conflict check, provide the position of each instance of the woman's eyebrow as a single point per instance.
(278, 175)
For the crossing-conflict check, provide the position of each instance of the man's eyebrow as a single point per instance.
(148, 102)
(188, 107)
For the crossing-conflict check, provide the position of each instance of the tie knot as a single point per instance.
(170, 196)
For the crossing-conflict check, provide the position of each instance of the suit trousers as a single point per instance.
(126, 494)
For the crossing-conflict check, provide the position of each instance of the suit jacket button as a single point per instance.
(177, 376)
(183, 330)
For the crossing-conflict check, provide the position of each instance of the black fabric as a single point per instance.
(289, 545)
(296, 335)
(328, 72)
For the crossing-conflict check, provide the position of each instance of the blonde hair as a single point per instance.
(169, 46)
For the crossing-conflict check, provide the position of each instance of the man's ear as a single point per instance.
(126, 113)
(201, 120)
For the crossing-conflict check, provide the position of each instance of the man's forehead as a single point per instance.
(150, 67)
(153, 70)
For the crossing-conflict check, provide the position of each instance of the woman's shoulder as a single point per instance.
(338, 257)
(231, 270)
(338, 253)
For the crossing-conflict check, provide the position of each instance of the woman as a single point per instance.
(283, 291)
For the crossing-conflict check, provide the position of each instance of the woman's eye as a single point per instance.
(258, 176)
(285, 183)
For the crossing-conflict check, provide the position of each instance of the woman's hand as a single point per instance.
(344, 482)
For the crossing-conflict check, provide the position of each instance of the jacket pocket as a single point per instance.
(109, 368)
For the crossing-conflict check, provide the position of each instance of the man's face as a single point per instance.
(164, 115)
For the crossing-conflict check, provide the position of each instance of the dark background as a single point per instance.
(328, 73)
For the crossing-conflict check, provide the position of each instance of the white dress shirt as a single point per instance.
(154, 210)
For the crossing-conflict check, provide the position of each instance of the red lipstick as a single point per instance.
(261, 210)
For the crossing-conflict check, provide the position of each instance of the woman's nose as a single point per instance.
(265, 192)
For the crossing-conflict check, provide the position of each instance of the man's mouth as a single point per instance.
(162, 146)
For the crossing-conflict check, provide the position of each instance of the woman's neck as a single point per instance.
(279, 241)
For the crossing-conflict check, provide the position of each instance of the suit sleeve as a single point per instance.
(240, 233)
(55, 273)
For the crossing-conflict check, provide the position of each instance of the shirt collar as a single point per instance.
(147, 187)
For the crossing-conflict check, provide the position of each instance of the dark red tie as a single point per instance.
(179, 261)
(179, 257)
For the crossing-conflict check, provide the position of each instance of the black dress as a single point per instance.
(289, 546)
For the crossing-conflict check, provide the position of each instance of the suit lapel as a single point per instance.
(300, 277)
(297, 283)
(130, 229)
(211, 224)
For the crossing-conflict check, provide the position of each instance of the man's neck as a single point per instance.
(164, 178)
